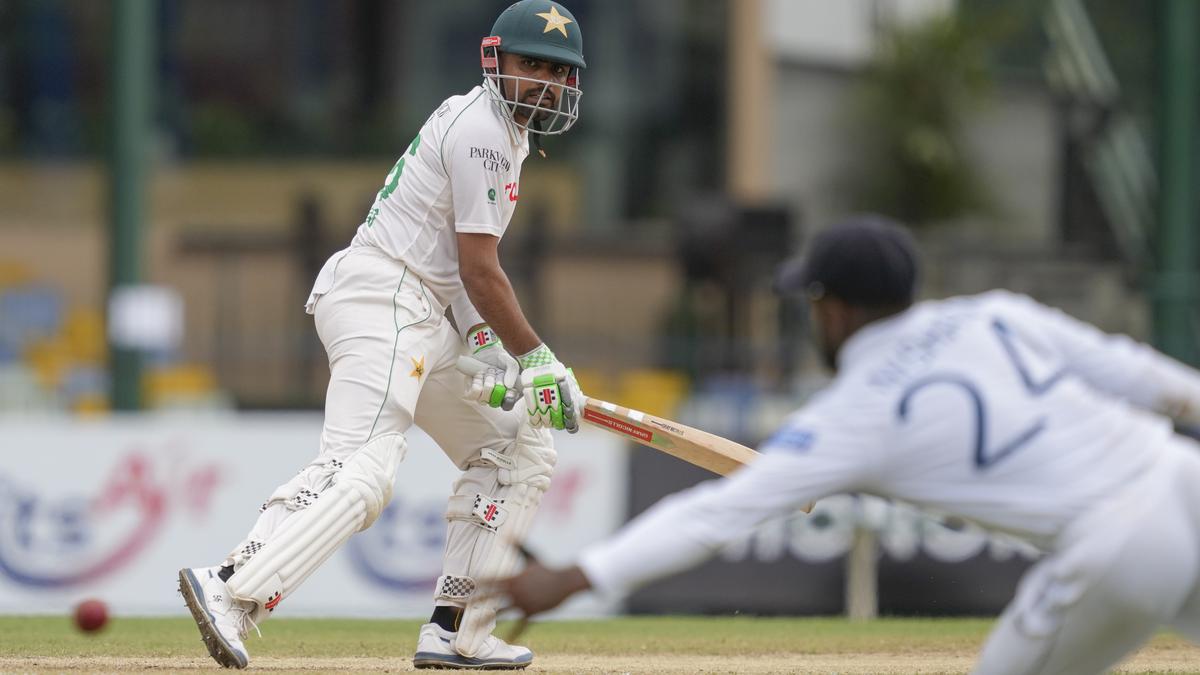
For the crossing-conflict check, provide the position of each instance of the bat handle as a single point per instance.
(510, 398)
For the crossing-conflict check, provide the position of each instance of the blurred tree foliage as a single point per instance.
(1126, 29)
(915, 96)
(223, 130)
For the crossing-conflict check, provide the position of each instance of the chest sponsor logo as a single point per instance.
(511, 189)
(493, 160)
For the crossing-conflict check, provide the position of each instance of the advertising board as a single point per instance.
(113, 508)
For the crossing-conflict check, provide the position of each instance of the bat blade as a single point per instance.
(708, 451)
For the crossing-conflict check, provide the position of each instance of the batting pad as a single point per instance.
(357, 495)
(500, 521)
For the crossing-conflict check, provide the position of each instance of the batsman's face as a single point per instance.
(539, 85)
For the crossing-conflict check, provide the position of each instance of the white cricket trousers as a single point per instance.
(392, 356)
(1117, 576)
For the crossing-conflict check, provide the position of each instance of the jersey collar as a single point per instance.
(870, 339)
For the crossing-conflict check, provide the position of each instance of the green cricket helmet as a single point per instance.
(540, 29)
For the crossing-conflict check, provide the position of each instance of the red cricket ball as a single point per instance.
(91, 615)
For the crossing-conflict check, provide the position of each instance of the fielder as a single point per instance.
(990, 407)
(428, 242)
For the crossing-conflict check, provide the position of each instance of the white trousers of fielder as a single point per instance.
(1118, 575)
(392, 356)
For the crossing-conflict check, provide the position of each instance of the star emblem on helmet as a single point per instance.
(555, 21)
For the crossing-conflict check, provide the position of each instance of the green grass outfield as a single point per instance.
(639, 644)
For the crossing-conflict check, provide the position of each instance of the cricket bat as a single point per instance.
(708, 451)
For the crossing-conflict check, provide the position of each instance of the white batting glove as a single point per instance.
(489, 385)
(552, 396)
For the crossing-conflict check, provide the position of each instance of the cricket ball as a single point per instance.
(91, 615)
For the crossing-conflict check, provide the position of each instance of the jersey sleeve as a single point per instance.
(472, 155)
(800, 464)
(1119, 365)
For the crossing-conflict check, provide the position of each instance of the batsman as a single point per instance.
(428, 243)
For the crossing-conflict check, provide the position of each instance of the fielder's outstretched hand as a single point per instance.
(538, 588)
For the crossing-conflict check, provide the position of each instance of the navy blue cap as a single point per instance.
(866, 260)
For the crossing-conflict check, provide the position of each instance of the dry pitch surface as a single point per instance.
(629, 645)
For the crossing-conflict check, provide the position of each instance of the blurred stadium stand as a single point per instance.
(52, 357)
(269, 144)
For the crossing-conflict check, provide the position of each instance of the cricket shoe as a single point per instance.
(222, 620)
(435, 650)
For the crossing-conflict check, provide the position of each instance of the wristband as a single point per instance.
(482, 338)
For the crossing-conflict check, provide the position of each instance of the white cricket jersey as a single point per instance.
(460, 174)
(990, 407)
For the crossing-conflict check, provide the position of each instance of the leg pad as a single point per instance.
(355, 496)
(495, 523)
